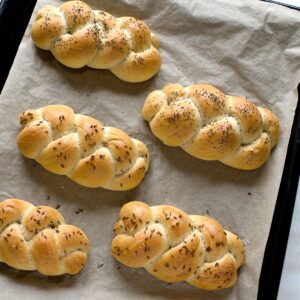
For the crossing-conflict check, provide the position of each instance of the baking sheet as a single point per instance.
(250, 49)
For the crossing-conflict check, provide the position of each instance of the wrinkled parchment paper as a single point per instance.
(247, 48)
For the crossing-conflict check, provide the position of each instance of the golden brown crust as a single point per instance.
(270, 125)
(37, 238)
(41, 25)
(250, 156)
(174, 246)
(216, 275)
(209, 125)
(138, 67)
(81, 148)
(78, 36)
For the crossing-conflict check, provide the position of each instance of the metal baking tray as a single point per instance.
(14, 17)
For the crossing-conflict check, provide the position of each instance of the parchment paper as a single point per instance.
(247, 48)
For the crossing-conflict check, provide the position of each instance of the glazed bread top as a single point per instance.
(81, 148)
(78, 36)
(174, 246)
(37, 238)
(209, 125)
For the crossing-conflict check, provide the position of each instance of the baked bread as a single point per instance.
(81, 148)
(212, 126)
(78, 36)
(174, 246)
(37, 238)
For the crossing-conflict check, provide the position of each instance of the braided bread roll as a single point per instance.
(78, 36)
(212, 126)
(37, 238)
(174, 246)
(81, 148)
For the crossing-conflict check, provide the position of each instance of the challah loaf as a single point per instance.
(81, 148)
(174, 246)
(212, 126)
(37, 238)
(78, 36)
